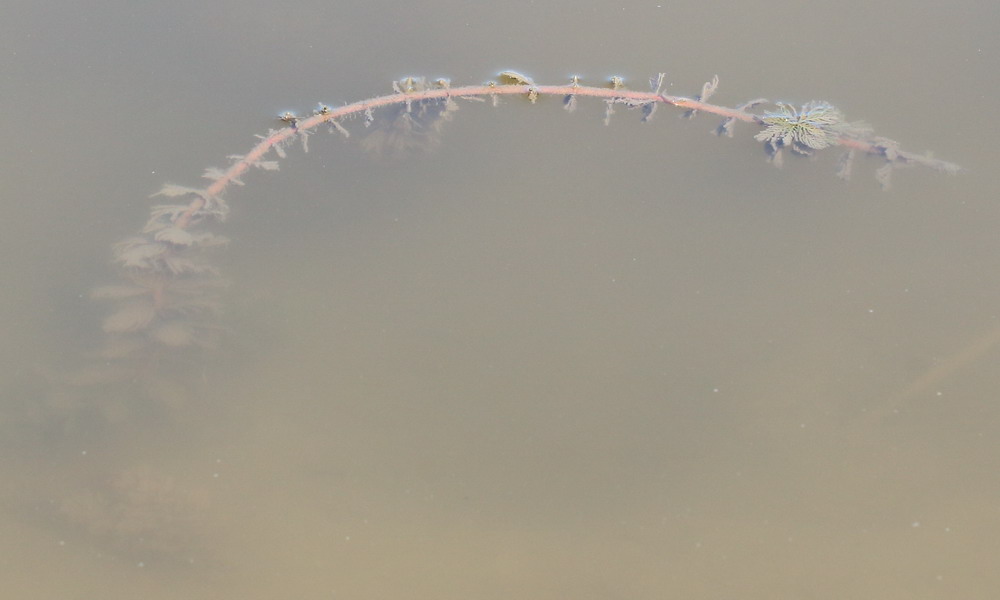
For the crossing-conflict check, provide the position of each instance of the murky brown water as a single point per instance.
(549, 359)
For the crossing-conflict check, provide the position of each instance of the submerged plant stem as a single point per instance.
(614, 95)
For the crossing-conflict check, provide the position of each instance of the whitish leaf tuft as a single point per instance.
(187, 265)
(845, 163)
(175, 235)
(417, 126)
(175, 334)
(656, 82)
(884, 175)
(134, 316)
(706, 92)
(709, 88)
(266, 165)
(888, 148)
(648, 109)
(817, 126)
(206, 240)
(216, 174)
(167, 211)
(138, 252)
(409, 85)
(336, 126)
(172, 191)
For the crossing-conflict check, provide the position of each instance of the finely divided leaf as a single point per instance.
(133, 316)
(172, 190)
(706, 92)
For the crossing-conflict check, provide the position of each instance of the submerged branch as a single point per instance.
(409, 95)
(172, 288)
(170, 298)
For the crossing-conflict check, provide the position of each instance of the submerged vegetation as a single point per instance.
(817, 126)
(170, 296)
(164, 311)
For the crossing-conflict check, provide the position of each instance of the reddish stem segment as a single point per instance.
(629, 97)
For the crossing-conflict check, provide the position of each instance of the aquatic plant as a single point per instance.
(171, 291)
(818, 125)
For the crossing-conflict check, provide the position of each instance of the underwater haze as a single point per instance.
(528, 356)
